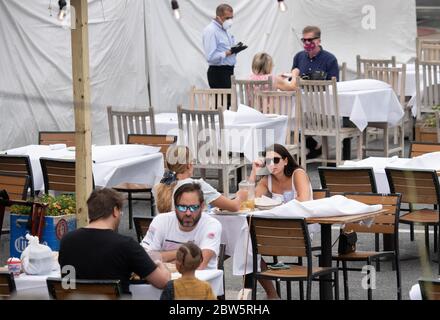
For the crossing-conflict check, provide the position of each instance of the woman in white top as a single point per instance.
(180, 170)
(285, 179)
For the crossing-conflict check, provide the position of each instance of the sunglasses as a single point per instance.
(275, 160)
(192, 208)
(304, 40)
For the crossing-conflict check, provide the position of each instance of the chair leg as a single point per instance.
(376, 247)
(152, 204)
(411, 232)
(325, 151)
(303, 152)
(289, 290)
(369, 290)
(345, 276)
(427, 240)
(301, 290)
(338, 151)
(386, 141)
(359, 150)
(435, 239)
(130, 211)
(399, 281)
(365, 140)
(254, 288)
(336, 284)
(309, 289)
(225, 177)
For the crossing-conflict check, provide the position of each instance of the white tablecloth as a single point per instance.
(35, 288)
(111, 164)
(245, 131)
(367, 100)
(429, 161)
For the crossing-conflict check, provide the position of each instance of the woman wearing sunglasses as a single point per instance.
(285, 179)
(180, 170)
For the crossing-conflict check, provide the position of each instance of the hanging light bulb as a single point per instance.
(63, 9)
(282, 6)
(175, 7)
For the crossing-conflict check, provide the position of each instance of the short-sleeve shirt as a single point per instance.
(164, 234)
(323, 61)
(104, 254)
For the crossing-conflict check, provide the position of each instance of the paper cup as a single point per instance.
(14, 266)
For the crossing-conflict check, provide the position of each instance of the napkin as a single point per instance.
(57, 146)
(247, 114)
(361, 84)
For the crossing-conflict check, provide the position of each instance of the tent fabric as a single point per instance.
(139, 52)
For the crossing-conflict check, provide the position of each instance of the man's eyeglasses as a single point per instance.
(275, 160)
(192, 208)
(304, 40)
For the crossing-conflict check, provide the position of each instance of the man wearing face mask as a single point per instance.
(220, 48)
(314, 63)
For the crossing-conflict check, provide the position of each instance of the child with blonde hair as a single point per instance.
(188, 287)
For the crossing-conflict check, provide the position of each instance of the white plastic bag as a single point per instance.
(36, 258)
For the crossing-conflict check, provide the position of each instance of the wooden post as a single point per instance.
(81, 96)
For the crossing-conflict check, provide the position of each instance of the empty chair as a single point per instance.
(141, 225)
(203, 132)
(243, 91)
(158, 140)
(18, 165)
(361, 63)
(58, 175)
(84, 289)
(122, 123)
(16, 185)
(54, 137)
(428, 49)
(319, 116)
(7, 285)
(288, 237)
(282, 103)
(419, 148)
(387, 223)
(427, 86)
(211, 99)
(420, 187)
(395, 77)
(341, 180)
(430, 289)
(343, 71)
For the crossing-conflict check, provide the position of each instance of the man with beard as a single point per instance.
(168, 231)
(97, 251)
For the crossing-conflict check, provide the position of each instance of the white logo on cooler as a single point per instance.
(20, 244)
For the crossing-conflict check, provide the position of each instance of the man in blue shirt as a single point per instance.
(220, 48)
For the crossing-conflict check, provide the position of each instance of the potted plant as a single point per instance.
(426, 130)
(59, 219)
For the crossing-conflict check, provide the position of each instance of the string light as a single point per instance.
(175, 7)
(282, 6)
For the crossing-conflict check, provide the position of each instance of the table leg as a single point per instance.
(325, 287)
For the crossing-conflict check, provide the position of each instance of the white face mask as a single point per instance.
(227, 24)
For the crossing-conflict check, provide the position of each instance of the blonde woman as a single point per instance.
(180, 170)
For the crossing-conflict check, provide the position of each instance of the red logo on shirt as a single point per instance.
(211, 235)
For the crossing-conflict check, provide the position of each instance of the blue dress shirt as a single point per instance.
(323, 61)
(216, 41)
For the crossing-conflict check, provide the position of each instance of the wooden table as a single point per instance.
(325, 287)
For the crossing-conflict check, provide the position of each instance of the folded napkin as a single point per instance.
(247, 114)
(334, 206)
(121, 151)
(361, 84)
(57, 146)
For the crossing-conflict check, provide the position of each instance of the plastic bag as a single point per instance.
(36, 258)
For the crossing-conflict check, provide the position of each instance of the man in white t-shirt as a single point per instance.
(168, 231)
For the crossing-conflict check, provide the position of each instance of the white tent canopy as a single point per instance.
(137, 44)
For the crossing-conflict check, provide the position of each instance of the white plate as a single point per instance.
(260, 202)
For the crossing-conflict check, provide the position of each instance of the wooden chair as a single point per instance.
(428, 49)
(85, 290)
(319, 116)
(211, 99)
(361, 63)
(221, 266)
(418, 187)
(58, 175)
(430, 289)
(18, 165)
(53, 137)
(16, 185)
(7, 285)
(341, 180)
(203, 132)
(122, 123)
(419, 148)
(343, 71)
(427, 86)
(243, 91)
(287, 238)
(141, 225)
(395, 77)
(320, 194)
(157, 140)
(387, 223)
(282, 103)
